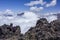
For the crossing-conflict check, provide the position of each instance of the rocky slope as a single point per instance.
(9, 32)
(42, 31)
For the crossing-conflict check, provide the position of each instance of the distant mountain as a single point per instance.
(20, 14)
(10, 32)
(6, 15)
(58, 15)
(43, 30)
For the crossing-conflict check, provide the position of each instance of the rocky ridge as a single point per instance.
(42, 31)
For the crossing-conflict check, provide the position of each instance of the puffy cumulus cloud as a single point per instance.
(30, 15)
(53, 3)
(29, 19)
(32, 3)
(51, 13)
(8, 11)
(41, 2)
(25, 21)
(7, 14)
(36, 8)
(51, 18)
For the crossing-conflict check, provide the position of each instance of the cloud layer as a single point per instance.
(27, 20)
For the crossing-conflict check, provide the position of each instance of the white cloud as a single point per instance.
(32, 3)
(8, 11)
(53, 3)
(36, 8)
(25, 22)
(29, 19)
(41, 2)
(51, 18)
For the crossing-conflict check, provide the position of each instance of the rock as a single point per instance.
(10, 32)
(42, 31)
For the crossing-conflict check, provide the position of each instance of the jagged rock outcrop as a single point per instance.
(9, 32)
(44, 31)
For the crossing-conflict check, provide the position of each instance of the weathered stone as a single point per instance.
(42, 31)
(9, 32)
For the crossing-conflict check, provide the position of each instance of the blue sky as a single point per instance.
(9, 4)
(12, 4)
(19, 5)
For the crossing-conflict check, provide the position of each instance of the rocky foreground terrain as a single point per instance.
(42, 31)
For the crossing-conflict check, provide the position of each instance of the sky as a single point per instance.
(20, 5)
(32, 11)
